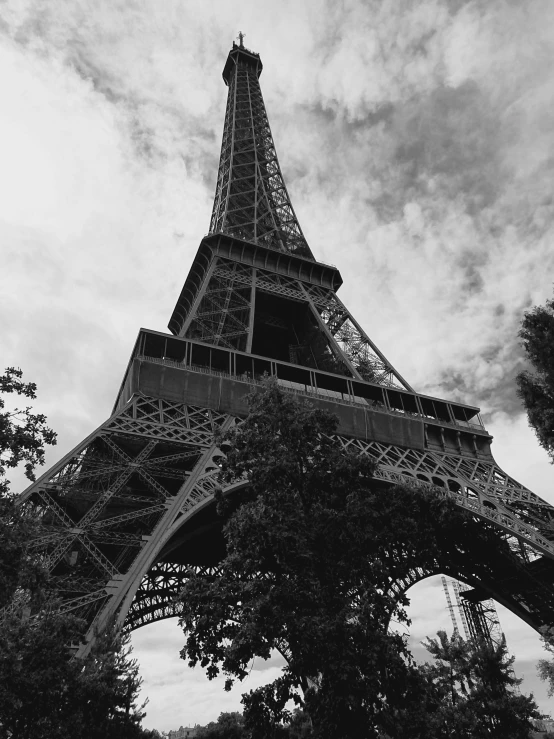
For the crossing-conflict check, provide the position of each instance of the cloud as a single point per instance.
(443, 160)
(185, 696)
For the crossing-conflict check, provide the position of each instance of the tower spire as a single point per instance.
(251, 199)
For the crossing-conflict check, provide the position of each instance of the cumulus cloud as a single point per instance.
(441, 150)
(185, 696)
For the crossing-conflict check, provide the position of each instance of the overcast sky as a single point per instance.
(416, 140)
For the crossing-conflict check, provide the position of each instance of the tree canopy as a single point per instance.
(471, 691)
(467, 691)
(23, 434)
(546, 666)
(227, 726)
(316, 553)
(43, 691)
(536, 388)
(23, 438)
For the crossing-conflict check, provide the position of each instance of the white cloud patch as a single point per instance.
(185, 696)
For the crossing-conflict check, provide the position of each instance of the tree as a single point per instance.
(315, 546)
(546, 666)
(23, 434)
(232, 726)
(299, 725)
(107, 690)
(286, 579)
(43, 691)
(227, 726)
(23, 438)
(471, 691)
(536, 388)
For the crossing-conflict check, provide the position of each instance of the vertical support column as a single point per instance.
(335, 348)
(198, 299)
(250, 338)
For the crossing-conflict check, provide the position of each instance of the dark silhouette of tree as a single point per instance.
(546, 666)
(536, 388)
(23, 434)
(471, 692)
(232, 726)
(314, 547)
(23, 438)
(43, 690)
(227, 726)
(299, 725)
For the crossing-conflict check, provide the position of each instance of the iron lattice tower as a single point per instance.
(129, 511)
(479, 618)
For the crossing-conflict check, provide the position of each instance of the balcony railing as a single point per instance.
(219, 361)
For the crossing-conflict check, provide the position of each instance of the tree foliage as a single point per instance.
(23, 438)
(290, 577)
(227, 726)
(23, 434)
(536, 388)
(546, 666)
(43, 691)
(471, 692)
(232, 726)
(314, 547)
(299, 725)
(18, 568)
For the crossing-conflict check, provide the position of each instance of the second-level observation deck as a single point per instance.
(158, 363)
(251, 254)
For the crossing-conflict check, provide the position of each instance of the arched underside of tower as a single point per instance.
(496, 572)
(130, 510)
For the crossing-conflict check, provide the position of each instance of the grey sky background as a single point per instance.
(416, 140)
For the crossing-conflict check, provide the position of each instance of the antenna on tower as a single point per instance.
(241, 39)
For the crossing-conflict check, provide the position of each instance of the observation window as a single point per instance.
(200, 355)
(220, 360)
(369, 392)
(154, 346)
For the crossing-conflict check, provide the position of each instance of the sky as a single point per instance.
(416, 140)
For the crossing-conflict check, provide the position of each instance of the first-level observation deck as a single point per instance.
(201, 374)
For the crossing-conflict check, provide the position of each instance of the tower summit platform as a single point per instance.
(241, 55)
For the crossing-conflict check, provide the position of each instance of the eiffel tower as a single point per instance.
(130, 510)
